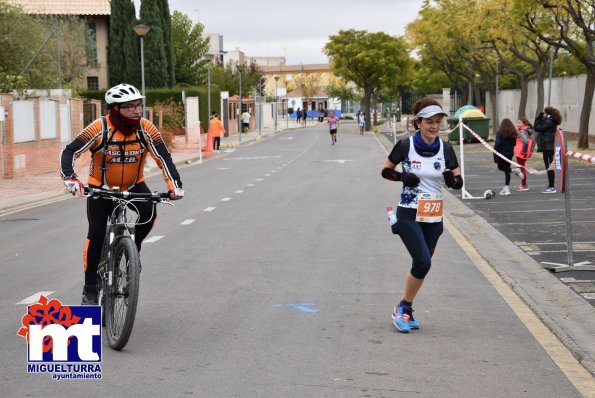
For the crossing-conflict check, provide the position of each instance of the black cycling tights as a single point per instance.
(420, 239)
(98, 211)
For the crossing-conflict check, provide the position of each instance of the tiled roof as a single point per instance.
(65, 7)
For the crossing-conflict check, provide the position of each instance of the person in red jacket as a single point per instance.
(119, 144)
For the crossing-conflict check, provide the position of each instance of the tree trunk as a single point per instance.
(367, 99)
(583, 129)
(524, 96)
(539, 78)
(477, 95)
(495, 121)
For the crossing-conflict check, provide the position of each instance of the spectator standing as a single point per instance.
(505, 142)
(216, 129)
(523, 149)
(545, 126)
(298, 116)
(246, 122)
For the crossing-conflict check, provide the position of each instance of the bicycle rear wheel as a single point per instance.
(122, 295)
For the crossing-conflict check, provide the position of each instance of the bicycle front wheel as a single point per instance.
(122, 293)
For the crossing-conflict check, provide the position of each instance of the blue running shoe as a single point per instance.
(407, 311)
(401, 319)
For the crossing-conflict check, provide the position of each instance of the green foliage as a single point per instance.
(21, 36)
(167, 41)
(370, 60)
(189, 50)
(228, 78)
(12, 83)
(373, 61)
(124, 57)
(156, 63)
(346, 91)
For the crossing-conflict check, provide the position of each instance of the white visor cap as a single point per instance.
(430, 111)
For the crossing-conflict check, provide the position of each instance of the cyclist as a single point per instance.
(118, 144)
(426, 161)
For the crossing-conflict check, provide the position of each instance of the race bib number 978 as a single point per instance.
(430, 207)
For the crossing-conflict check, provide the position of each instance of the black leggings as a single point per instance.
(548, 157)
(98, 211)
(420, 239)
(505, 167)
(216, 143)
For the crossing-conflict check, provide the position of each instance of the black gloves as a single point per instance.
(391, 174)
(410, 180)
(451, 181)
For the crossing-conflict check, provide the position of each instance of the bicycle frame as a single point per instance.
(118, 282)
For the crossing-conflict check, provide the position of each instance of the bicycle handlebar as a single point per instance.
(99, 192)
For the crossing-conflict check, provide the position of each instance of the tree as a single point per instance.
(227, 78)
(189, 50)
(167, 41)
(29, 49)
(370, 60)
(156, 63)
(124, 60)
(575, 33)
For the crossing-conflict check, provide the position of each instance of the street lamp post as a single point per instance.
(142, 30)
(208, 57)
(240, 109)
(276, 77)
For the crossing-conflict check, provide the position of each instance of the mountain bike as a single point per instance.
(118, 272)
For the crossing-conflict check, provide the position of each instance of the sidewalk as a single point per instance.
(32, 191)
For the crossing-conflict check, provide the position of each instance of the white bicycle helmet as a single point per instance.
(122, 93)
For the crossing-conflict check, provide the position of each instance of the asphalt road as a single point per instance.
(276, 277)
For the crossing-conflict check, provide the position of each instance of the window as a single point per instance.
(91, 45)
(93, 83)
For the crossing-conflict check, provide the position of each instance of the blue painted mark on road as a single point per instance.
(304, 307)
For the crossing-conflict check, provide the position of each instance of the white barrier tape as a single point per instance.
(491, 148)
(576, 155)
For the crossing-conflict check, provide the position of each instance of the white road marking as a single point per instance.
(223, 168)
(573, 280)
(340, 161)
(187, 222)
(267, 175)
(35, 297)
(249, 185)
(153, 239)
(239, 191)
(260, 179)
(253, 158)
(225, 199)
(209, 209)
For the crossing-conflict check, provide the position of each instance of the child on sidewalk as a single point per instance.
(523, 149)
(505, 141)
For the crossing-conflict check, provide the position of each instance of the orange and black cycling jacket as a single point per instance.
(121, 164)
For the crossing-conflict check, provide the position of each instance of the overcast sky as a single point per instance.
(297, 30)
